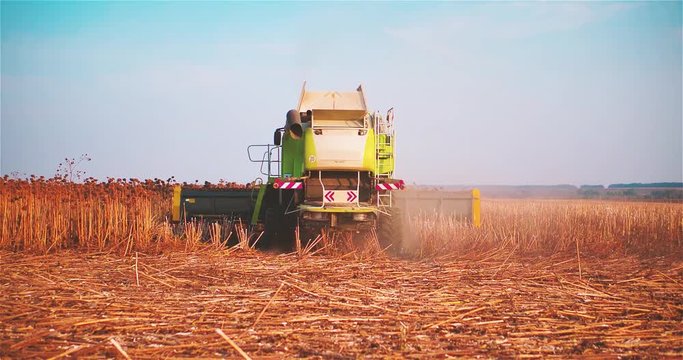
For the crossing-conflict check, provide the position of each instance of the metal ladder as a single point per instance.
(383, 127)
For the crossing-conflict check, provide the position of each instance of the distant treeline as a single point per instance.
(643, 191)
(665, 185)
(663, 191)
(647, 185)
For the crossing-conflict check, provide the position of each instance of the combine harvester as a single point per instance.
(330, 167)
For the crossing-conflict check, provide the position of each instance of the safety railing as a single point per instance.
(270, 158)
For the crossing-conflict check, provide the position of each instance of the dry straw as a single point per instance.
(490, 304)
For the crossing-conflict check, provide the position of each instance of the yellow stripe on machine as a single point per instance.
(337, 209)
(476, 208)
(175, 210)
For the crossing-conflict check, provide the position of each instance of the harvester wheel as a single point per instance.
(390, 231)
(279, 229)
(272, 222)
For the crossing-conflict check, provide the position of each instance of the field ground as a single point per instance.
(71, 304)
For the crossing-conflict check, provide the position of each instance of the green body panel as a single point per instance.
(259, 202)
(292, 156)
(369, 152)
(309, 150)
(385, 152)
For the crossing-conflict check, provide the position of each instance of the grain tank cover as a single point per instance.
(339, 136)
(334, 104)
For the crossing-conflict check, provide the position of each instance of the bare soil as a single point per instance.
(80, 305)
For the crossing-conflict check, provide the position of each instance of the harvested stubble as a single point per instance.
(274, 306)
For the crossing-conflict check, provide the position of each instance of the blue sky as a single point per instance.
(484, 93)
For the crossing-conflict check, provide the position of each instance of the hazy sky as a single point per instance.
(484, 93)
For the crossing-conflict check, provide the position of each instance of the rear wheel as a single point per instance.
(390, 231)
(272, 224)
(308, 231)
(279, 229)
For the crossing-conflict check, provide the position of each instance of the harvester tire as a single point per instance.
(279, 229)
(390, 231)
(272, 222)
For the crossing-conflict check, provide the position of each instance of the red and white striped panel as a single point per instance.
(399, 185)
(388, 186)
(287, 185)
(291, 185)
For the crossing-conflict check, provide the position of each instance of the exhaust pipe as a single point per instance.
(293, 125)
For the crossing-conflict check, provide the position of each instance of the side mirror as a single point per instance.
(277, 137)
